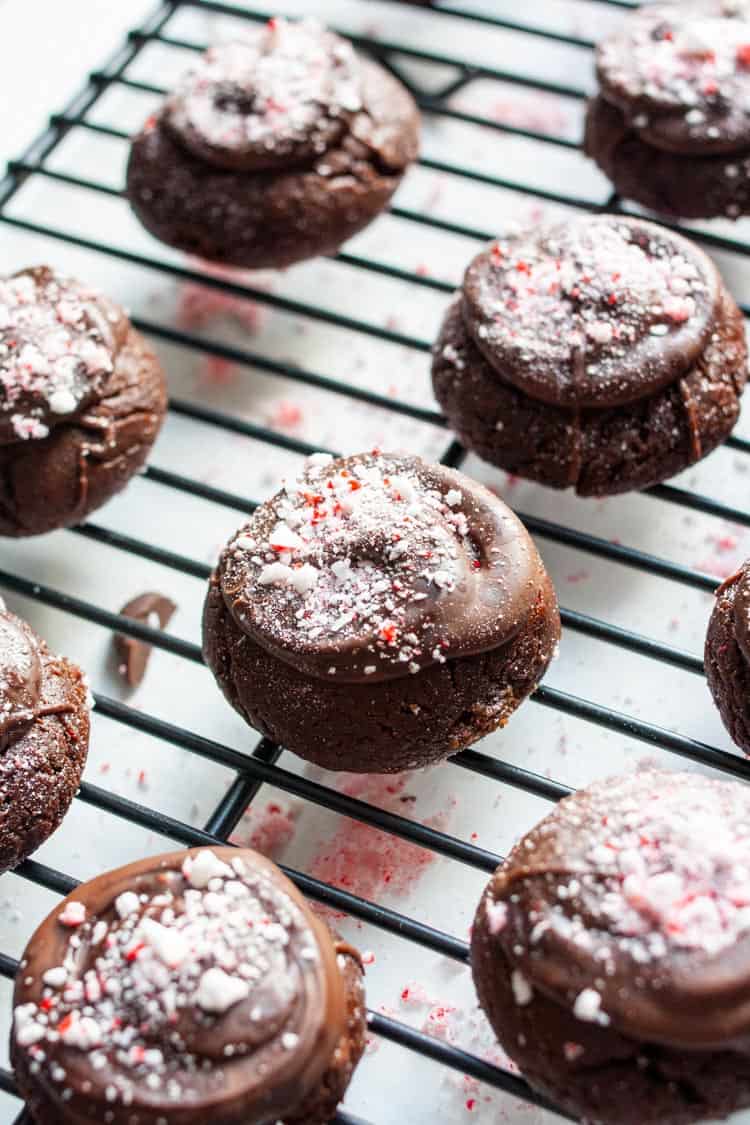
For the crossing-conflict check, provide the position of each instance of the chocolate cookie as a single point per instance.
(671, 124)
(611, 951)
(44, 738)
(191, 987)
(604, 354)
(273, 150)
(82, 398)
(379, 614)
(727, 655)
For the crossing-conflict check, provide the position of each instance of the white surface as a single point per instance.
(46, 48)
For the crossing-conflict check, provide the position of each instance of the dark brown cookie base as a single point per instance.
(320, 1107)
(611, 1079)
(389, 725)
(689, 187)
(40, 773)
(264, 219)
(597, 452)
(727, 670)
(57, 481)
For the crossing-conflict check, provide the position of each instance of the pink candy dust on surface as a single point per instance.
(200, 305)
(366, 861)
(463, 1025)
(268, 827)
(287, 416)
(217, 371)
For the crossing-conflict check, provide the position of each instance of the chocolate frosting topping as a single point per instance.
(280, 98)
(377, 565)
(20, 678)
(57, 343)
(630, 904)
(596, 312)
(192, 986)
(681, 75)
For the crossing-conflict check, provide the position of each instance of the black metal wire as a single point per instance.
(251, 770)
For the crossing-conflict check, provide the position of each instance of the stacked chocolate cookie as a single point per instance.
(273, 149)
(83, 399)
(44, 738)
(194, 986)
(379, 614)
(611, 951)
(670, 125)
(603, 354)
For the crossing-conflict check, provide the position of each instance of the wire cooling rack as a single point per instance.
(435, 78)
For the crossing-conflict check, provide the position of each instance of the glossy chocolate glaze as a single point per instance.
(595, 312)
(189, 987)
(375, 566)
(20, 678)
(630, 905)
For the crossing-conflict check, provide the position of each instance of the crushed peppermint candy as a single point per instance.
(373, 565)
(73, 914)
(631, 901)
(685, 67)
(146, 979)
(282, 93)
(572, 313)
(126, 903)
(523, 993)
(56, 345)
(497, 916)
(672, 856)
(588, 1007)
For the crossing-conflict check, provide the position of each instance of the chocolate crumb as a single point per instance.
(133, 655)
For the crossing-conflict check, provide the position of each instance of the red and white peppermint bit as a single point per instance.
(352, 552)
(588, 1007)
(592, 288)
(54, 347)
(269, 90)
(143, 982)
(74, 914)
(664, 867)
(681, 56)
